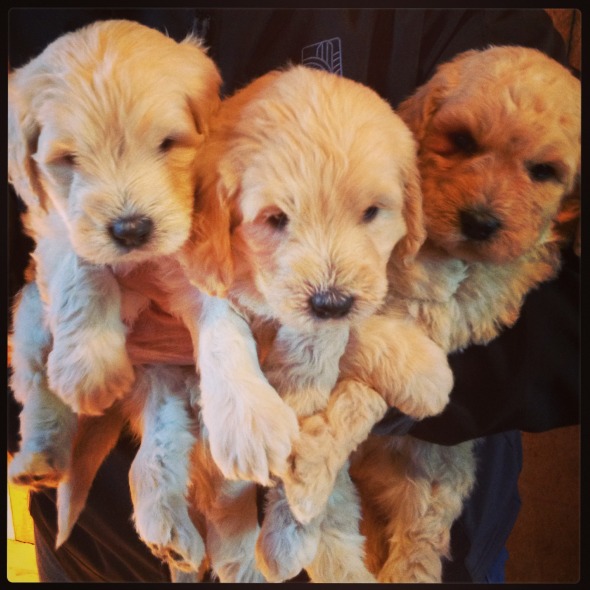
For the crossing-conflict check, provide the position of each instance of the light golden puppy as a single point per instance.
(105, 130)
(104, 164)
(499, 154)
(316, 178)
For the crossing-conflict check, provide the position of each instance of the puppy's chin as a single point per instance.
(307, 323)
(304, 321)
(100, 249)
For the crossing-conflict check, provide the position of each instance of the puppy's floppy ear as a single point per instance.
(418, 109)
(407, 248)
(568, 222)
(23, 133)
(206, 256)
(204, 83)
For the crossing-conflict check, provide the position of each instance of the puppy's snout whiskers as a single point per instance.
(330, 304)
(131, 232)
(478, 225)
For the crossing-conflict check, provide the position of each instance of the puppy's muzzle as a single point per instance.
(478, 225)
(330, 304)
(131, 232)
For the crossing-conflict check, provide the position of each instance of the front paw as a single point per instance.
(285, 546)
(250, 439)
(428, 383)
(91, 370)
(40, 469)
(312, 471)
(166, 528)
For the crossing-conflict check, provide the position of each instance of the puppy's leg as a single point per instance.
(383, 475)
(285, 546)
(181, 577)
(47, 424)
(159, 475)
(395, 358)
(232, 533)
(325, 443)
(88, 366)
(250, 428)
(231, 516)
(340, 555)
(304, 369)
(419, 489)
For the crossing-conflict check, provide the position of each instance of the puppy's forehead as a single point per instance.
(314, 137)
(114, 69)
(510, 79)
(107, 91)
(305, 181)
(317, 105)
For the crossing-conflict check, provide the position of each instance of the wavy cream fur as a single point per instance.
(318, 152)
(109, 122)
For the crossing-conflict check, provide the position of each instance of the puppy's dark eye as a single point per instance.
(464, 142)
(278, 220)
(542, 172)
(167, 144)
(370, 213)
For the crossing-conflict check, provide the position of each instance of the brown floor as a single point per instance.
(545, 544)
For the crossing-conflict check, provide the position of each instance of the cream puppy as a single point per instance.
(317, 185)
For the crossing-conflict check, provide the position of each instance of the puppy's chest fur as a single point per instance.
(460, 303)
(162, 281)
(302, 367)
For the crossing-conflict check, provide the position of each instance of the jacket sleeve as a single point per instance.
(526, 379)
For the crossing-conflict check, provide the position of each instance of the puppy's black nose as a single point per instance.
(478, 225)
(131, 232)
(330, 304)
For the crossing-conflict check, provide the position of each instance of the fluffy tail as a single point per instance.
(96, 437)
